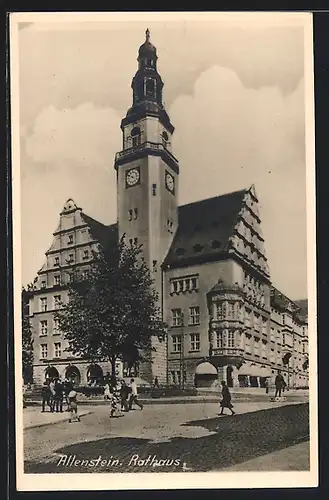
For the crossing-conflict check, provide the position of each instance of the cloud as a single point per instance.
(229, 137)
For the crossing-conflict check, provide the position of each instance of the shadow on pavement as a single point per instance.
(236, 439)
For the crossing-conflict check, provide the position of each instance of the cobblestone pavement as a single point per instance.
(193, 435)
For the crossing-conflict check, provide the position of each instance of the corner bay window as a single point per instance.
(195, 342)
(224, 338)
(186, 284)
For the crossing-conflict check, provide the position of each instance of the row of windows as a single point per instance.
(72, 238)
(177, 316)
(56, 349)
(43, 327)
(85, 255)
(254, 320)
(58, 279)
(226, 310)
(57, 299)
(187, 284)
(194, 342)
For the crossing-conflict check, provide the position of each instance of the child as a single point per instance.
(73, 405)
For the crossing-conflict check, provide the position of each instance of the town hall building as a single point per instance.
(225, 319)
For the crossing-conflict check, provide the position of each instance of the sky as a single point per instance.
(234, 88)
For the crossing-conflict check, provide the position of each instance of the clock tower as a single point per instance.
(147, 171)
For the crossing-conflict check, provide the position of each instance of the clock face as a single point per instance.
(170, 183)
(132, 176)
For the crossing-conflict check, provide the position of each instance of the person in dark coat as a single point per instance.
(124, 395)
(46, 396)
(226, 399)
(58, 407)
(279, 384)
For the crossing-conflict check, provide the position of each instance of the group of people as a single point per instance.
(56, 393)
(121, 396)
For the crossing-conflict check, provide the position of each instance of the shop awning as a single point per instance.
(206, 369)
(254, 370)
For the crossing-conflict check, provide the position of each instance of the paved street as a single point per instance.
(193, 434)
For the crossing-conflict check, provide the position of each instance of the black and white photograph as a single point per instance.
(164, 250)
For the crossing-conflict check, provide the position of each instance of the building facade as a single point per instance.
(208, 261)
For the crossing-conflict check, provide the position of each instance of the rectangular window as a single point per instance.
(56, 327)
(85, 255)
(70, 239)
(154, 189)
(272, 335)
(43, 351)
(272, 359)
(135, 213)
(135, 241)
(71, 258)
(43, 284)
(130, 215)
(219, 340)
(256, 347)
(230, 310)
(57, 280)
(44, 327)
(248, 344)
(194, 315)
(70, 277)
(195, 341)
(43, 302)
(283, 339)
(278, 358)
(264, 353)
(57, 350)
(230, 339)
(176, 317)
(57, 301)
(56, 261)
(181, 285)
(177, 343)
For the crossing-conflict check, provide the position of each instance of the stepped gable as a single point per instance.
(106, 235)
(204, 228)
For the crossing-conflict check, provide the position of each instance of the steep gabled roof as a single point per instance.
(106, 235)
(204, 228)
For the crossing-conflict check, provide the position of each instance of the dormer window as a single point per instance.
(70, 239)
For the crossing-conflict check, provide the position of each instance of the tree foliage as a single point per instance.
(27, 339)
(112, 312)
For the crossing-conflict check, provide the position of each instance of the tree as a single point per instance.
(112, 312)
(27, 339)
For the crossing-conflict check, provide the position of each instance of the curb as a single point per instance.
(64, 419)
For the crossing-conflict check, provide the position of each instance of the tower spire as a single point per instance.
(147, 33)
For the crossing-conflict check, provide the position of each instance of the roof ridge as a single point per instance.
(240, 191)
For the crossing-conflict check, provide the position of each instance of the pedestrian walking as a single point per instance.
(266, 385)
(124, 394)
(134, 395)
(67, 388)
(73, 406)
(107, 393)
(226, 399)
(52, 395)
(279, 384)
(46, 396)
(156, 383)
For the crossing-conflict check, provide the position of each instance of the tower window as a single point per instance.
(130, 214)
(135, 213)
(150, 87)
(136, 136)
(154, 189)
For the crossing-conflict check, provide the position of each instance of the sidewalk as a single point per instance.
(293, 458)
(33, 417)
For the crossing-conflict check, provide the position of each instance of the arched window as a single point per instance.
(165, 138)
(136, 136)
(150, 87)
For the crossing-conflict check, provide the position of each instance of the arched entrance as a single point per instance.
(72, 373)
(205, 375)
(95, 375)
(51, 373)
(229, 376)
